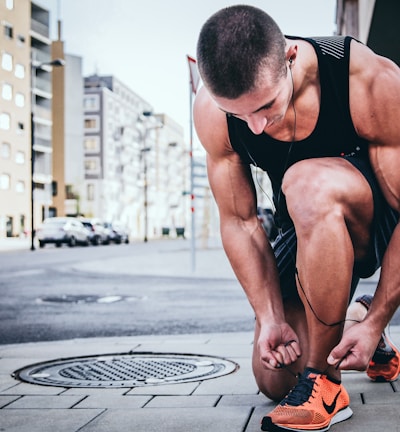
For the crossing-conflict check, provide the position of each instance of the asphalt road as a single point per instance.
(49, 294)
(44, 297)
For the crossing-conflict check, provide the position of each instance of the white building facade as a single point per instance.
(136, 166)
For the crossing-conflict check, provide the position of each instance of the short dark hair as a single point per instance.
(233, 45)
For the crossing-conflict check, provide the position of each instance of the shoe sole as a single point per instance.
(382, 378)
(366, 301)
(340, 416)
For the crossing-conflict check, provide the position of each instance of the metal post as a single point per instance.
(192, 196)
(146, 220)
(32, 184)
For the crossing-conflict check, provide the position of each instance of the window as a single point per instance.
(19, 100)
(8, 31)
(6, 91)
(91, 103)
(5, 150)
(10, 4)
(20, 186)
(91, 165)
(5, 181)
(90, 192)
(20, 127)
(5, 120)
(7, 61)
(90, 123)
(91, 144)
(20, 157)
(20, 71)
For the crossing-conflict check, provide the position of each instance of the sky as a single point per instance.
(145, 43)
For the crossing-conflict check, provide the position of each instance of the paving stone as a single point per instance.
(50, 420)
(5, 400)
(32, 389)
(171, 420)
(182, 401)
(167, 389)
(252, 400)
(118, 402)
(45, 402)
(95, 391)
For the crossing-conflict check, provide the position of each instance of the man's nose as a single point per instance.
(257, 123)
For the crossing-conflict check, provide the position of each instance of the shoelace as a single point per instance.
(301, 392)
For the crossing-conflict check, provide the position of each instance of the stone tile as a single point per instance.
(31, 389)
(5, 400)
(167, 389)
(252, 400)
(95, 391)
(117, 402)
(356, 398)
(372, 418)
(257, 415)
(239, 382)
(182, 401)
(51, 420)
(45, 402)
(7, 381)
(381, 394)
(171, 420)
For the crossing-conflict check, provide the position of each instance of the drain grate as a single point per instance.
(126, 370)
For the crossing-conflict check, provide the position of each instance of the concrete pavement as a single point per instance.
(227, 403)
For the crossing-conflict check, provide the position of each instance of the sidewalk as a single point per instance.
(228, 403)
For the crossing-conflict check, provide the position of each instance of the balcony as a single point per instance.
(40, 28)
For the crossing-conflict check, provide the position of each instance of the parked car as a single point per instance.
(97, 232)
(116, 232)
(59, 230)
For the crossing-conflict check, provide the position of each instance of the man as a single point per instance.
(321, 117)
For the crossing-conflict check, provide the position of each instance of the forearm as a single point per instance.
(253, 262)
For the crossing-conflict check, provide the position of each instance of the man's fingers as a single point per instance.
(285, 354)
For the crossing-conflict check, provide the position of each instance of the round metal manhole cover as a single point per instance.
(126, 370)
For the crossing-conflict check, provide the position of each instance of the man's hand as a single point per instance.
(278, 346)
(356, 348)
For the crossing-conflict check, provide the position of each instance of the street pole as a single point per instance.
(146, 220)
(192, 196)
(32, 184)
(145, 186)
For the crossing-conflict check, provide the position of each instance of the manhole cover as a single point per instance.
(68, 298)
(125, 370)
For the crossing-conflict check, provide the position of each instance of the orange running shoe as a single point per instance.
(315, 403)
(385, 363)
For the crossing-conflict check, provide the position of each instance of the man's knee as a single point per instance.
(311, 194)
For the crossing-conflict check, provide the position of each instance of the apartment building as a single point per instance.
(14, 117)
(134, 161)
(98, 150)
(41, 105)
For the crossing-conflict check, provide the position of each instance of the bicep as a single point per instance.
(233, 187)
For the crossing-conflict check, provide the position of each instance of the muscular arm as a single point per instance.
(375, 108)
(243, 237)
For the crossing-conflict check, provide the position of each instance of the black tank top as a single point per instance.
(334, 133)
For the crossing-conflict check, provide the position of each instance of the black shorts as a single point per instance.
(384, 223)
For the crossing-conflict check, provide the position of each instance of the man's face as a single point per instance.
(262, 108)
